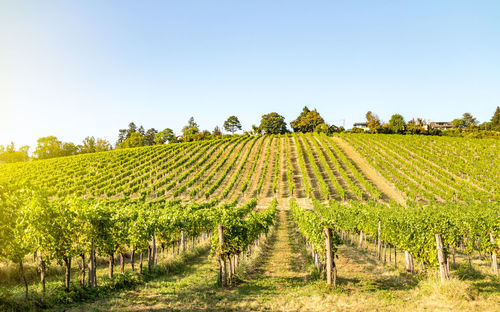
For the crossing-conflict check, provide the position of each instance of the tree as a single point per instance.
(217, 132)
(232, 124)
(458, 123)
(69, 149)
(415, 126)
(494, 123)
(122, 136)
(89, 145)
(192, 123)
(48, 147)
(141, 131)
(131, 129)
(102, 145)
(321, 128)
(135, 140)
(190, 130)
(8, 154)
(256, 130)
(307, 121)
(273, 123)
(373, 121)
(495, 120)
(397, 123)
(469, 121)
(166, 135)
(24, 153)
(149, 137)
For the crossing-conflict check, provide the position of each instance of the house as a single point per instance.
(361, 125)
(441, 125)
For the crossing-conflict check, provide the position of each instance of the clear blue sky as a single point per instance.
(79, 68)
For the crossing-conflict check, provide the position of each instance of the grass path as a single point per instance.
(373, 175)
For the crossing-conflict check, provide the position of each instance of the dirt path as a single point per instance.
(299, 191)
(283, 190)
(284, 260)
(380, 182)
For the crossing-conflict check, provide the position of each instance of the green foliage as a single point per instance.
(467, 121)
(311, 226)
(242, 226)
(495, 120)
(373, 121)
(134, 140)
(48, 147)
(8, 154)
(307, 121)
(14, 201)
(167, 135)
(232, 124)
(190, 130)
(414, 229)
(273, 123)
(397, 123)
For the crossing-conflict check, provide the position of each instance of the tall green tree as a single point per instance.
(134, 140)
(216, 132)
(494, 123)
(190, 130)
(102, 145)
(307, 121)
(48, 147)
(150, 136)
(124, 134)
(495, 120)
(232, 124)
(416, 126)
(89, 145)
(273, 123)
(397, 123)
(458, 123)
(466, 121)
(373, 121)
(469, 120)
(167, 135)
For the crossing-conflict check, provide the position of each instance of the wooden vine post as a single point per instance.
(222, 261)
(329, 259)
(42, 272)
(379, 241)
(441, 258)
(494, 263)
(183, 240)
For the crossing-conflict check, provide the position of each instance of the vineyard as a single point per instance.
(268, 215)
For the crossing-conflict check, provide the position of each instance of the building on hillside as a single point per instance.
(361, 125)
(441, 125)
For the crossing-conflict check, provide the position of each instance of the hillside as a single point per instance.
(347, 167)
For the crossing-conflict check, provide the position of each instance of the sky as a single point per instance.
(87, 68)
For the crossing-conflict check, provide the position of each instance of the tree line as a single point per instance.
(272, 123)
(397, 124)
